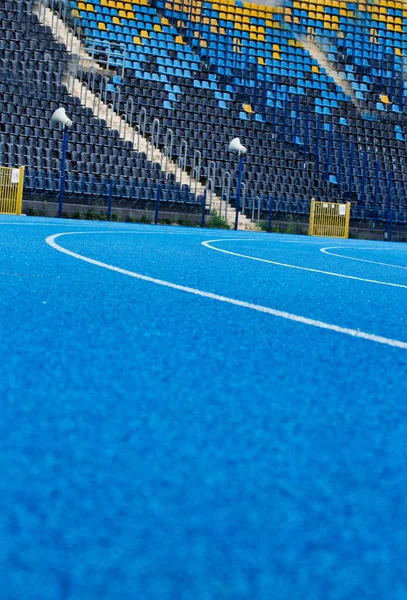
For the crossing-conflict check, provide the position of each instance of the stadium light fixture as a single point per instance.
(236, 146)
(60, 117)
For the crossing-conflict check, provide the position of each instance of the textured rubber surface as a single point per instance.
(159, 445)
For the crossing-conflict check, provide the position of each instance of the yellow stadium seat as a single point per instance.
(122, 13)
(247, 108)
(398, 51)
(157, 28)
(116, 21)
(137, 40)
(260, 60)
(269, 23)
(315, 69)
(90, 8)
(144, 34)
(179, 40)
(130, 15)
(276, 55)
(75, 13)
(102, 26)
(384, 99)
(203, 44)
(81, 6)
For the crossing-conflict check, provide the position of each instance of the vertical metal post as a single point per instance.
(364, 178)
(306, 134)
(388, 200)
(352, 151)
(109, 202)
(340, 161)
(328, 158)
(203, 209)
(297, 109)
(62, 177)
(376, 190)
(239, 184)
(390, 233)
(270, 215)
(317, 143)
(157, 203)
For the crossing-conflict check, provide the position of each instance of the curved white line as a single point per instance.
(373, 262)
(208, 243)
(50, 240)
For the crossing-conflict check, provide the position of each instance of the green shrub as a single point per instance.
(217, 222)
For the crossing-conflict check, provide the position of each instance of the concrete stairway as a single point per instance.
(79, 89)
(320, 56)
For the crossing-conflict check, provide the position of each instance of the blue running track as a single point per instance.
(200, 415)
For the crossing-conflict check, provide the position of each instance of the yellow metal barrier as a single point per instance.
(11, 190)
(330, 219)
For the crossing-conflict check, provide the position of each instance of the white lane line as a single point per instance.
(50, 240)
(208, 243)
(373, 262)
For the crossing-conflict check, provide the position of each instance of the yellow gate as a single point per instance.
(11, 190)
(330, 219)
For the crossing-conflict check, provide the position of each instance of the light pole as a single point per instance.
(236, 146)
(60, 116)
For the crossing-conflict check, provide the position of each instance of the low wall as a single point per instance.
(280, 223)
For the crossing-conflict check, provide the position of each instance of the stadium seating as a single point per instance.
(210, 71)
(31, 88)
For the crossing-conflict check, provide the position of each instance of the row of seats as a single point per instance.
(238, 69)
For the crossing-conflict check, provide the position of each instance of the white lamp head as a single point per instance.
(60, 116)
(236, 146)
